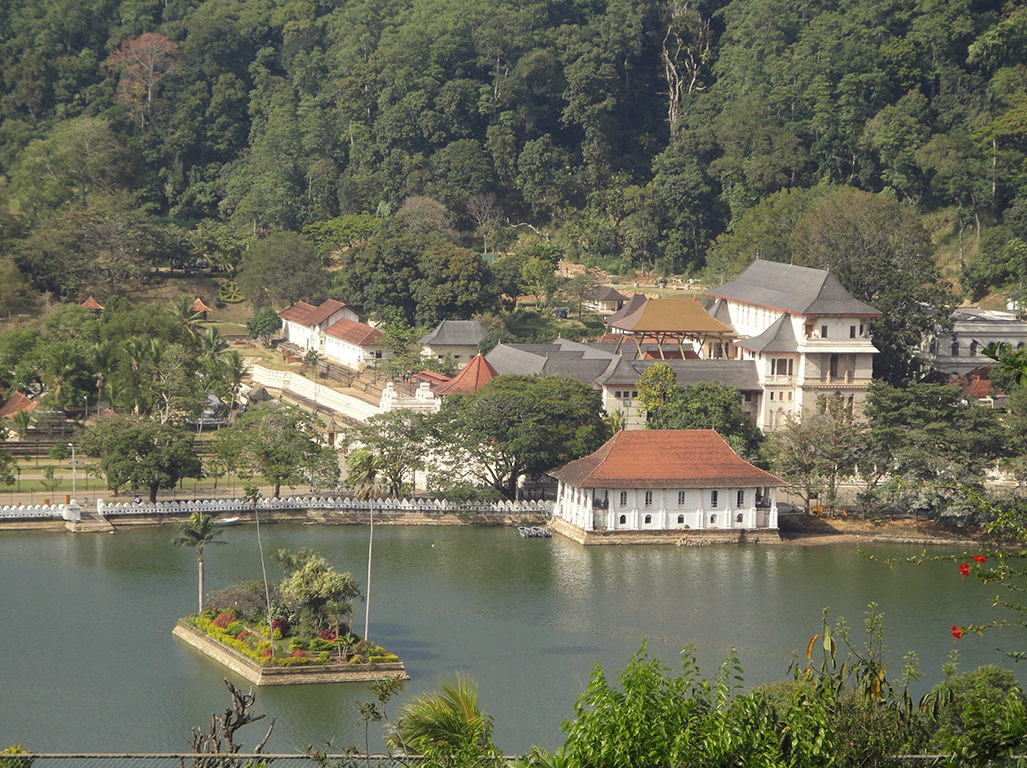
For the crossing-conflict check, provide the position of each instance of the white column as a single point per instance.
(772, 522)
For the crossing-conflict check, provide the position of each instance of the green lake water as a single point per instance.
(90, 664)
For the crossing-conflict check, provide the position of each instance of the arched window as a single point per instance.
(741, 499)
(713, 519)
(681, 519)
(648, 519)
(623, 519)
(955, 349)
(738, 517)
(973, 347)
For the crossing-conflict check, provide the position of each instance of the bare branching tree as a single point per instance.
(220, 738)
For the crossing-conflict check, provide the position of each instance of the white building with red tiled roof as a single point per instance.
(354, 345)
(666, 480)
(303, 324)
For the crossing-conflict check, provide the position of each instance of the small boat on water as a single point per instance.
(226, 521)
(534, 532)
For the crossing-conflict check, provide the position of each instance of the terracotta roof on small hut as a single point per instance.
(355, 333)
(199, 306)
(475, 375)
(92, 303)
(665, 458)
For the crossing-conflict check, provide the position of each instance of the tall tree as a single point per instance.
(198, 531)
(281, 269)
(142, 64)
(514, 426)
(138, 453)
(879, 250)
(281, 443)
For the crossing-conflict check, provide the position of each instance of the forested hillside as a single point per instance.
(632, 133)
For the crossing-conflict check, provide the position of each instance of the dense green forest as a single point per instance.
(664, 136)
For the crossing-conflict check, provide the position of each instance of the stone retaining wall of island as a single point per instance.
(258, 675)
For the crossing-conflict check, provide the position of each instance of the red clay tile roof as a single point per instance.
(475, 375)
(18, 402)
(431, 377)
(355, 333)
(199, 306)
(665, 458)
(92, 303)
(307, 314)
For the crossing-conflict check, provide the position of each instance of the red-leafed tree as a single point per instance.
(142, 64)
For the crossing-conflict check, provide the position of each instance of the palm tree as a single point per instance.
(448, 726)
(22, 421)
(198, 531)
(192, 321)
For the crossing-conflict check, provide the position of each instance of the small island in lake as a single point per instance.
(295, 631)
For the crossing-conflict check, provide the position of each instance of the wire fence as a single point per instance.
(189, 760)
(220, 760)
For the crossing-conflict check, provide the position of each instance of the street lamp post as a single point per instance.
(85, 399)
(74, 467)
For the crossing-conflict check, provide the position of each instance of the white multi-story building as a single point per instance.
(807, 335)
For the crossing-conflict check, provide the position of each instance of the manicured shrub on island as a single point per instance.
(224, 619)
(383, 658)
(281, 624)
(235, 628)
(318, 645)
(276, 634)
(261, 654)
(243, 635)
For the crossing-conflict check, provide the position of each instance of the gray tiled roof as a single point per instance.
(454, 333)
(779, 337)
(631, 305)
(510, 358)
(797, 290)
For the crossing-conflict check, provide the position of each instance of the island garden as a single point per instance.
(259, 627)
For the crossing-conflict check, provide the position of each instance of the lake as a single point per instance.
(91, 665)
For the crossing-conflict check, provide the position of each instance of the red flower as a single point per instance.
(964, 569)
(957, 632)
(979, 558)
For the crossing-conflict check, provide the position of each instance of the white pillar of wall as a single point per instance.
(772, 522)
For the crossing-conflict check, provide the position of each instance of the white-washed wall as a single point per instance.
(32, 511)
(336, 503)
(309, 390)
